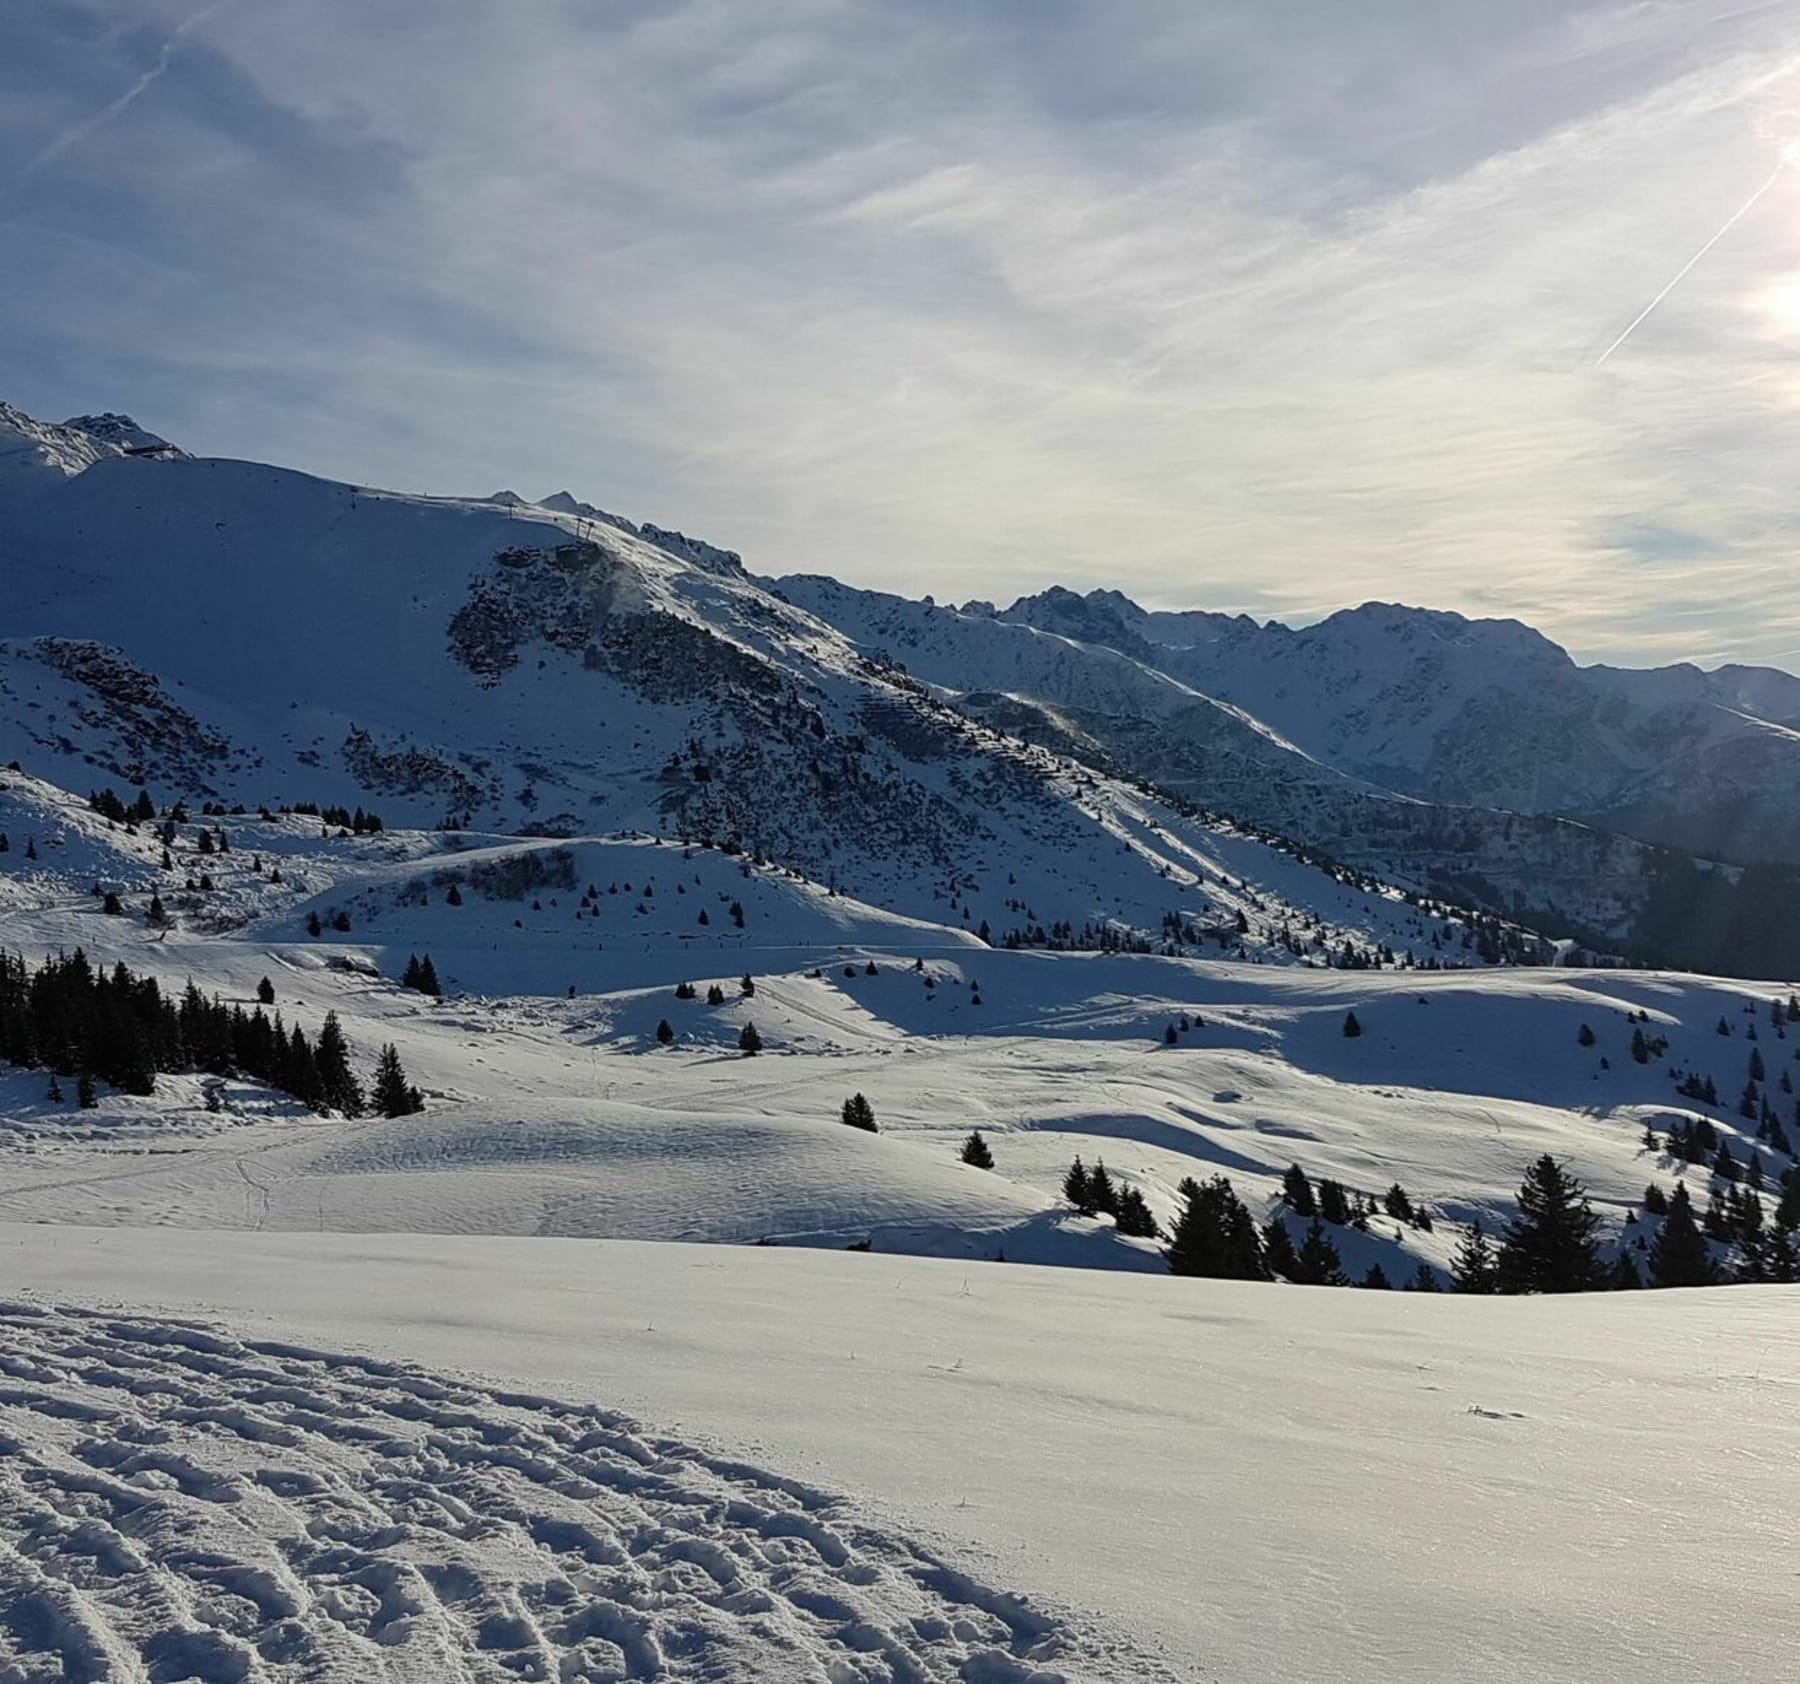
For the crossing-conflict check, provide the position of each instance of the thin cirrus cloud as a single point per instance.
(1256, 307)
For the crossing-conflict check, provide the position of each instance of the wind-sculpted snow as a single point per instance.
(178, 1504)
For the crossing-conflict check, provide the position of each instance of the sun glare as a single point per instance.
(1790, 153)
(1779, 306)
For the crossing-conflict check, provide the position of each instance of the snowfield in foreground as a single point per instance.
(187, 1505)
(1254, 1483)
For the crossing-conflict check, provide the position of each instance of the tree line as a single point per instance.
(76, 1019)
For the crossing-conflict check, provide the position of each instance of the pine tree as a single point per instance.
(1317, 1262)
(265, 992)
(1297, 1193)
(1214, 1234)
(1551, 1246)
(1375, 1280)
(747, 986)
(664, 1032)
(1679, 1256)
(1781, 1261)
(975, 1152)
(1278, 1249)
(156, 914)
(85, 1095)
(1334, 1201)
(1472, 1268)
(1423, 1279)
(1102, 1195)
(1351, 1027)
(112, 906)
(1623, 1276)
(1584, 1037)
(1397, 1204)
(313, 926)
(1134, 1217)
(715, 995)
(393, 1096)
(338, 1086)
(749, 1042)
(55, 1095)
(1656, 1201)
(1075, 1185)
(453, 896)
(858, 1113)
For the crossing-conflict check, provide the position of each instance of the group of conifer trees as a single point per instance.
(1553, 1245)
(1093, 1192)
(76, 1019)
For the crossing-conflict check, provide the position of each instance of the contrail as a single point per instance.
(1731, 222)
(79, 132)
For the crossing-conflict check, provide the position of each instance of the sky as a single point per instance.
(1261, 305)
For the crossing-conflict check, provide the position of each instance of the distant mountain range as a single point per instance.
(228, 630)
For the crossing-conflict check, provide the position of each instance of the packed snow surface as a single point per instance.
(1248, 1483)
(188, 1505)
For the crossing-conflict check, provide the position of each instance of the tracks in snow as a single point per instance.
(177, 1504)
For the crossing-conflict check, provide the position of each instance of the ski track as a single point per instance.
(177, 1504)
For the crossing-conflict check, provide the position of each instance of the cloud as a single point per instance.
(1235, 306)
(77, 132)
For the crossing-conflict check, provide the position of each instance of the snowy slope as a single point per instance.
(554, 1108)
(518, 668)
(1256, 1483)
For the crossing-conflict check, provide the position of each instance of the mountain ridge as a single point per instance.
(555, 669)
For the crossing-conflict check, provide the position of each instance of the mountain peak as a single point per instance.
(123, 433)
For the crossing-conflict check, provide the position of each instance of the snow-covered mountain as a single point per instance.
(35, 453)
(224, 631)
(1490, 713)
(232, 631)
